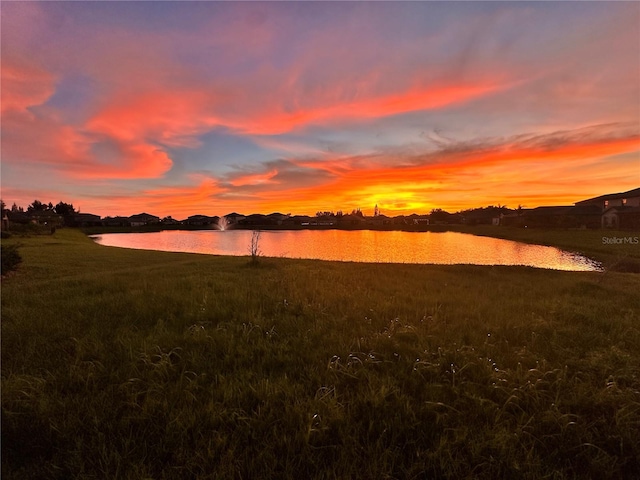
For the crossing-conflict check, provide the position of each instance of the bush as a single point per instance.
(10, 258)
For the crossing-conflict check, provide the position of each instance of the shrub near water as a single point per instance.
(132, 364)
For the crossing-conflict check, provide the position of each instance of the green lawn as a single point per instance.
(132, 364)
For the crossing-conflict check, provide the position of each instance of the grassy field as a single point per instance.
(131, 364)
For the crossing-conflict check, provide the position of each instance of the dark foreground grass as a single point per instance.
(131, 364)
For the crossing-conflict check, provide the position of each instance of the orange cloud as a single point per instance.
(173, 118)
(154, 92)
(376, 106)
(24, 85)
(253, 179)
(132, 160)
(184, 200)
(465, 176)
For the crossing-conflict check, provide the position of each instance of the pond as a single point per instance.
(358, 246)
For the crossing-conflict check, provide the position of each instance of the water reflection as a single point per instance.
(358, 246)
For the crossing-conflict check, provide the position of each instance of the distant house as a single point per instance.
(624, 199)
(278, 218)
(46, 217)
(297, 221)
(512, 219)
(622, 217)
(171, 221)
(255, 220)
(201, 220)
(479, 217)
(323, 221)
(142, 219)
(617, 210)
(351, 221)
(416, 219)
(584, 216)
(548, 216)
(116, 222)
(378, 220)
(233, 218)
(83, 220)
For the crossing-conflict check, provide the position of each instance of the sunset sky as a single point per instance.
(182, 108)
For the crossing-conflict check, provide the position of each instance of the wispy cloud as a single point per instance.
(343, 105)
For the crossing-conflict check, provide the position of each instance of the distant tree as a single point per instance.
(325, 214)
(36, 206)
(357, 212)
(63, 209)
(339, 213)
(439, 215)
(2, 206)
(50, 206)
(16, 209)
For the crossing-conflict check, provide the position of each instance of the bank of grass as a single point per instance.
(621, 254)
(131, 364)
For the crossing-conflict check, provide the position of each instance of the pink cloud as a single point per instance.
(33, 134)
(24, 85)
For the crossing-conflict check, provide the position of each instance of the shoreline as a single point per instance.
(593, 244)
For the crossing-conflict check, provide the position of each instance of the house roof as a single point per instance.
(86, 216)
(611, 196)
(555, 210)
(562, 210)
(142, 216)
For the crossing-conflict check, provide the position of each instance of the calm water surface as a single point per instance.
(357, 246)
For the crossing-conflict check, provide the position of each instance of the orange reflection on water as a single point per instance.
(359, 246)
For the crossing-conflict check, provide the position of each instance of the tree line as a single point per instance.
(61, 208)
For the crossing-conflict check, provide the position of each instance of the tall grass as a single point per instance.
(131, 364)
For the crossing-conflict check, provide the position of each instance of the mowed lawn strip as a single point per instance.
(123, 363)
